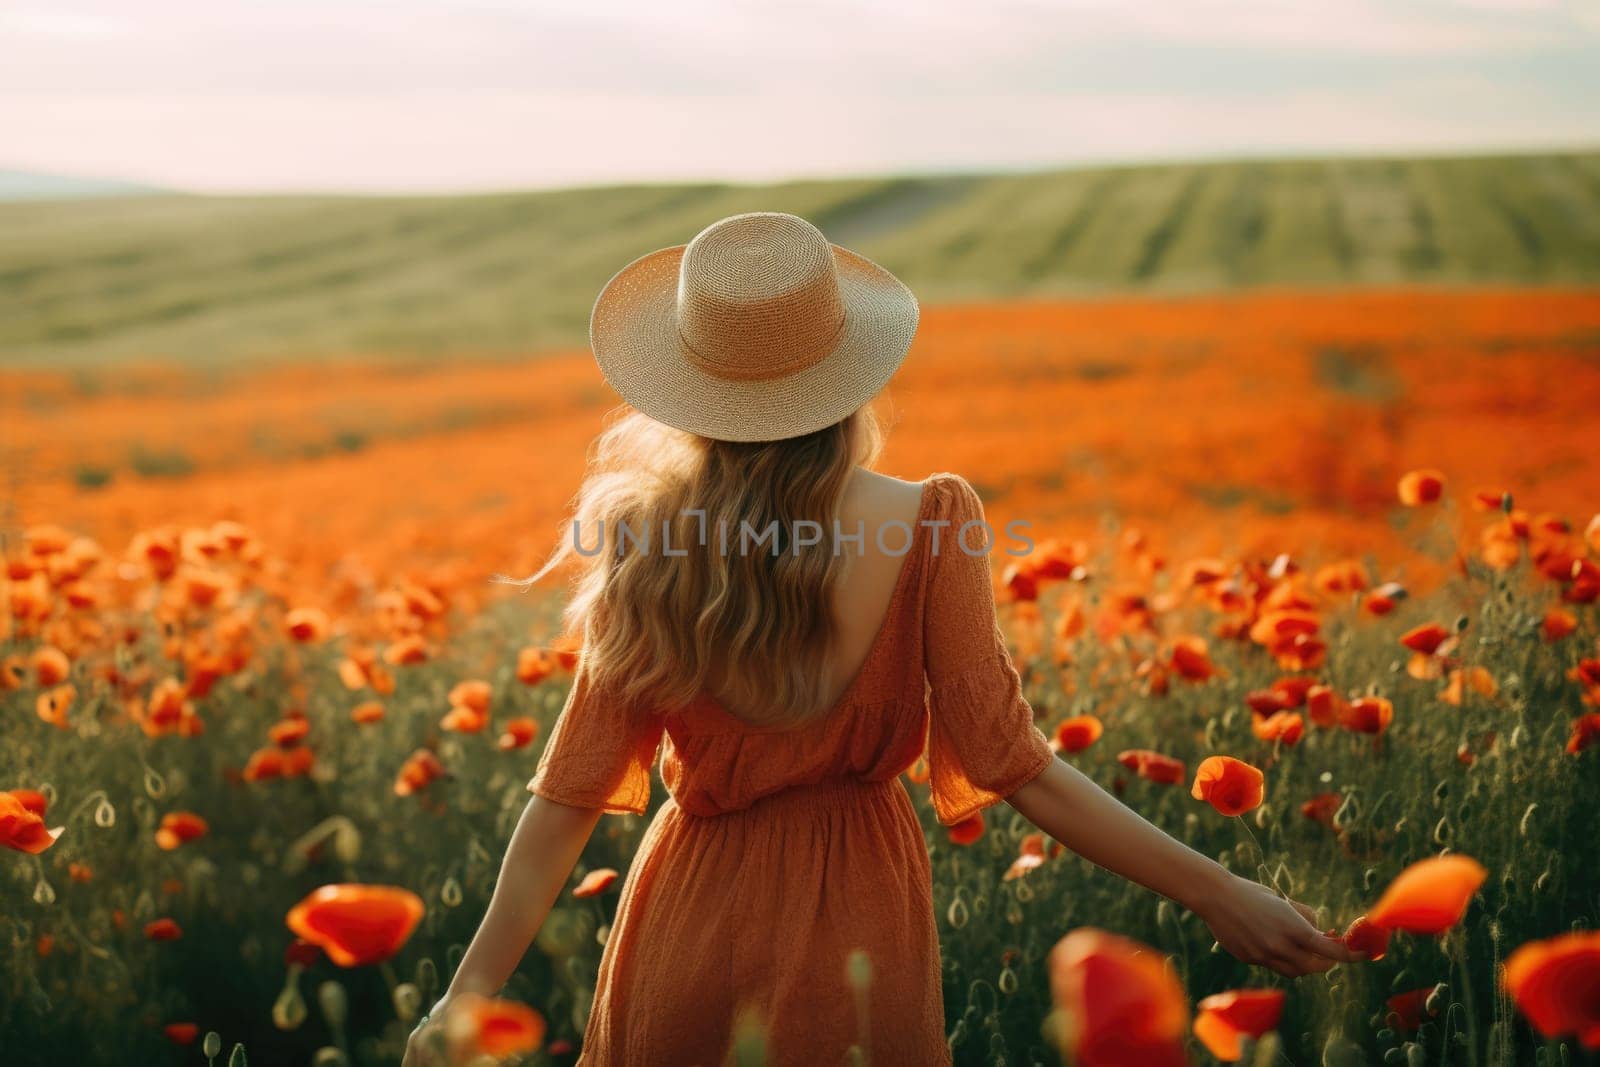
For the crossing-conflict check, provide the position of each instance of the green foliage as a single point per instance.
(1523, 807)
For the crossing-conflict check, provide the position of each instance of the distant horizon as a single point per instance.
(136, 185)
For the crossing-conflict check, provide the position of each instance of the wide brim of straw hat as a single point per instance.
(634, 334)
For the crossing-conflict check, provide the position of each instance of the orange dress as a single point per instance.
(780, 852)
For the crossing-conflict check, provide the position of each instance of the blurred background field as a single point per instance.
(211, 280)
(384, 401)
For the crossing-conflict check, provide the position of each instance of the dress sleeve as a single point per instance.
(983, 744)
(599, 753)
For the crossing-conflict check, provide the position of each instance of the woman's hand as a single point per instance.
(425, 1046)
(1260, 927)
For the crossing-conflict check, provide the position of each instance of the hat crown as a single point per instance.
(758, 297)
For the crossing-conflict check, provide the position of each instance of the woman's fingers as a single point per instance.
(1330, 948)
(1308, 913)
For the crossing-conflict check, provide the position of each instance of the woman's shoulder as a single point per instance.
(943, 493)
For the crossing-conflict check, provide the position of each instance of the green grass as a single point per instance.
(1524, 808)
(204, 278)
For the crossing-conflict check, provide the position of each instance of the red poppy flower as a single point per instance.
(1322, 808)
(464, 720)
(357, 924)
(1223, 1019)
(1231, 786)
(419, 771)
(162, 930)
(1430, 896)
(1408, 1010)
(595, 882)
(968, 830)
(306, 624)
(533, 666)
(31, 799)
(405, 652)
(1191, 660)
(1425, 638)
(301, 953)
(1286, 727)
(1367, 715)
(1369, 940)
(1556, 984)
(517, 733)
(264, 763)
(1077, 733)
(1030, 854)
(472, 694)
(50, 666)
(1123, 1004)
(288, 733)
(1153, 766)
(22, 829)
(486, 1026)
(181, 1033)
(1585, 732)
(1420, 487)
(365, 714)
(178, 827)
(1558, 623)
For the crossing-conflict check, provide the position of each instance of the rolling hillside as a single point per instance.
(205, 279)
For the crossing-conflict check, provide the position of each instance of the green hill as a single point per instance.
(207, 278)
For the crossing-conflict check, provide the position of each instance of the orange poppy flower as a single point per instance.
(919, 772)
(1558, 623)
(50, 666)
(178, 827)
(1231, 786)
(1420, 487)
(464, 720)
(1223, 1019)
(162, 930)
(487, 1026)
(1477, 678)
(517, 733)
(1367, 715)
(595, 882)
(1322, 808)
(31, 799)
(306, 624)
(22, 828)
(968, 830)
(1285, 727)
(1556, 984)
(80, 872)
(264, 763)
(406, 652)
(1369, 940)
(288, 733)
(181, 1033)
(1425, 638)
(566, 650)
(297, 762)
(1030, 854)
(53, 704)
(1191, 659)
(1430, 896)
(1077, 733)
(1122, 1002)
(533, 666)
(357, 924)
(1153, 766)
(1585, 732)
(419, 771)
(472, 694)
(367, 713)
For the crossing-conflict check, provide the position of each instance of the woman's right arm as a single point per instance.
(1246, 918)
(546, 844)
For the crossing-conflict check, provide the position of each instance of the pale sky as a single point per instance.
(407, 95)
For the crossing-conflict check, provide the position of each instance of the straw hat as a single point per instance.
(756, 330)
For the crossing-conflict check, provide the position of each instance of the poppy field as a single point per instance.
(1314, 590)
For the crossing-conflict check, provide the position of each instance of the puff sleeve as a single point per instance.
(982, 741)
(599, 752)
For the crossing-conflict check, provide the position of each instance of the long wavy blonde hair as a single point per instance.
(752, 625)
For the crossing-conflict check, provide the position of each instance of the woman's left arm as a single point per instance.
(1247, 918)
(546, 844)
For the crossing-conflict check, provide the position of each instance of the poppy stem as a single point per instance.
(1458, 952)
(1270, 875)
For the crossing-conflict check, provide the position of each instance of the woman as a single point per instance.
(797, 629)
